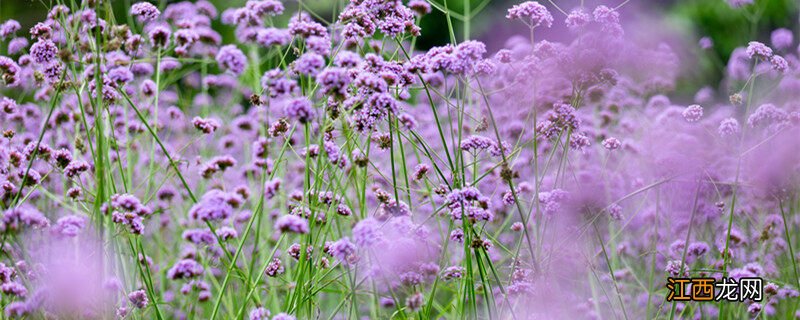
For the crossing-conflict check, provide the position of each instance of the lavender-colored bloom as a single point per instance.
(16, 218)
(8, 105)
(75, 168)
(677, 269)
(199, 236)
(611, 143)
(206, 126)
(274, 268)
(231, 58)
(185, 269)
(366, 233)
(319, 45)
(283, 316)
(421, 7)
(453, 272)
(10, 71)
(309, 63)
(693, 113)
(765, 115)
(739, 3)
(120, 75)
(728, 127)
(44, 51)
(577, 19)
(706, 43)
(782, 38)
(759, 50)
(138, 298)
(14, 289)
(292, 223)
(415, 301)
(159, 36)
(8, 28)
(17, 309)
(227, 233)
(263, 8)
(779, 63)
(343, 250)
(16, 45)
(145, 11)
(608, 19)
(214, 205)
(259, 313)
(697, 249)
(69, 226)
(532, 13)
(300, 109)
(334, 80)
(186, 37)
(273, 37)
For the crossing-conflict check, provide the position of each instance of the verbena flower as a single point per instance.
(145, 11)
(532, 13)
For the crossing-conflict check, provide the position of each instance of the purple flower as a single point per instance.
(758, 50)
(10, 71)
(309, 63)
(706, 43)
(300, 109)
(69, 226)
(292, 223)
(14, 288)
(532, 13)
(779, 63)
(138, 298)
(265, 7)
(283, 316)
(608, 19)
(421, 7)
(44, 51)
(199, 236)
(231, 58)
(185, 269)
(415, 301)
(334, 80)
(16, 218)
(214, 205)
(343, 250)
(453, 272)
(259, 313)
(273, 37)
(206, 126)
(8, 105)
(159, 36)
(693, 113)
(611, 143)
(121, 75)
(366, 233)
(16, 45)
(765, 115)
(17, 309)
(145, 11)
(9, 27)
(739, 3)
(577, 19)
(728, 127)
(782, 38)
(274, 268)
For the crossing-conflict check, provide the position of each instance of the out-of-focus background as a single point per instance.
(683, 20)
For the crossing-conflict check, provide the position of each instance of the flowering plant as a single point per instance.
(333, 169)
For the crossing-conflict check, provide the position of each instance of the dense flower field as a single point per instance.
(328, 168)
